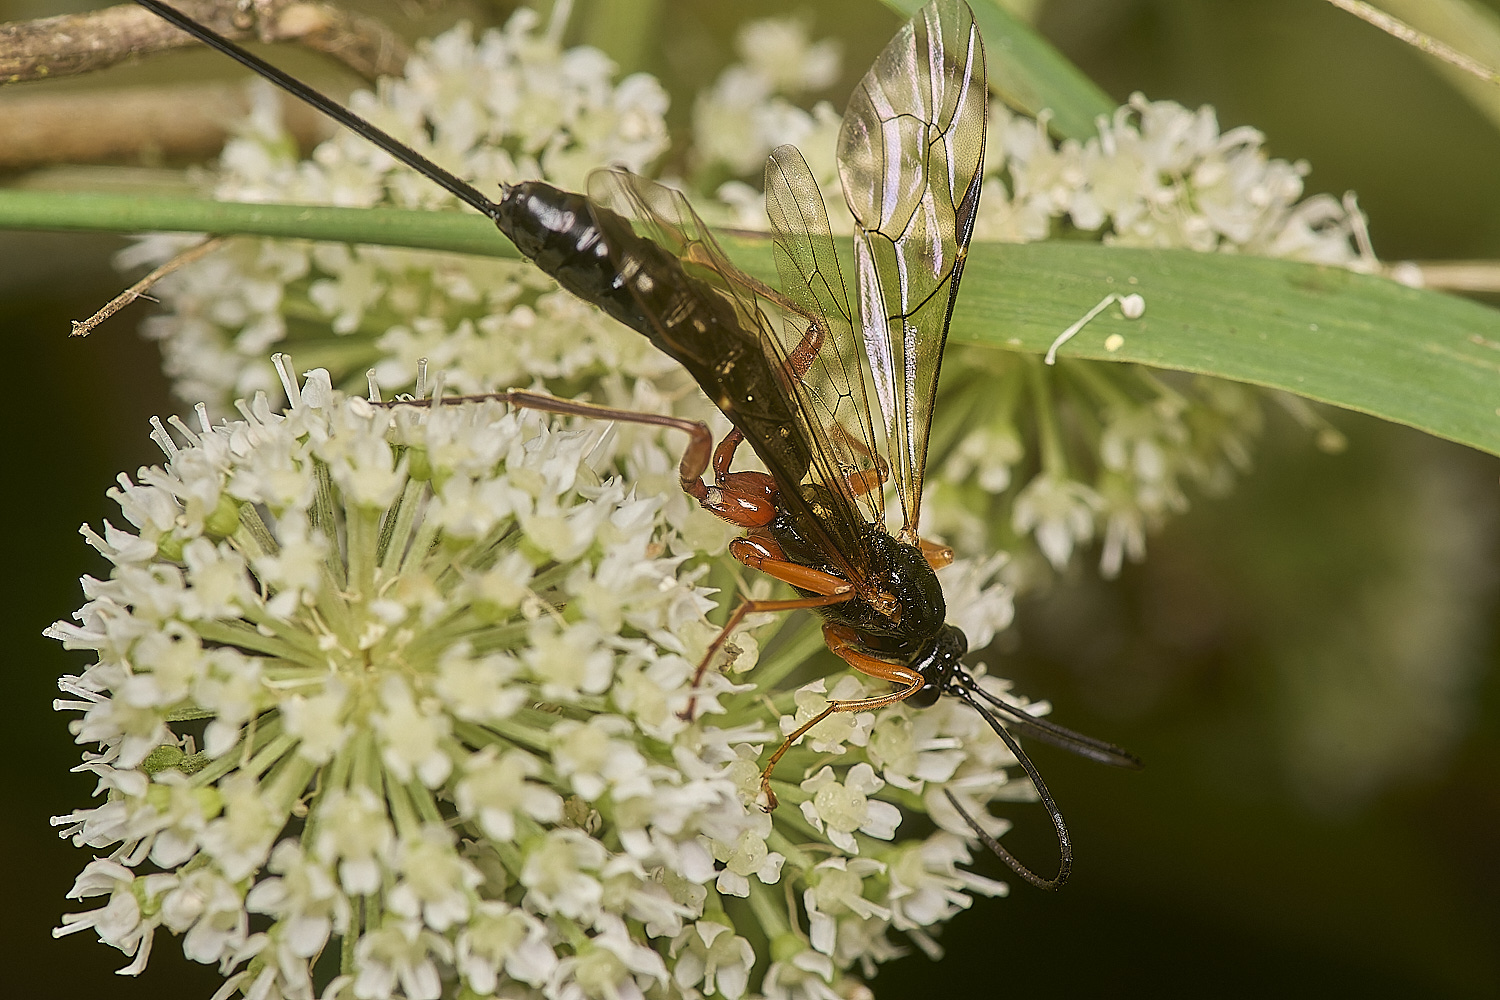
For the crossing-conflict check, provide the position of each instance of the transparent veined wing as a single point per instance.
(911, 152)
(730, 332)
(818, 336)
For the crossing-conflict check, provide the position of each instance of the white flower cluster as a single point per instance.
(1115, 445)
(512, 105)
(748, 112)
(402, 684)
(1115, 448)
(1159, 175)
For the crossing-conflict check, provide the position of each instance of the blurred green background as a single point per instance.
(1307, 665)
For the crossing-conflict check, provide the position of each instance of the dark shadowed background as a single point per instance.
(1307, 665)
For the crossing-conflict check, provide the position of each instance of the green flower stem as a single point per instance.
(333, 775)
(363, 527)
(272, 750)
(224, 763)
(403, 810)
(246, 638)
(531, 737)
(769, 910)
(1054, 457)
(287, 780)
(801, 642)
(788, 796)
(322, 516)
(300, 652)
(511, 858)
(1158, 389)
(1100, 382)
(395, 533)
(365, 767)
(576, 938)
(373, 916)
(347, 942)
(427, 807)
(978, 395)
(795, 856)
(498, 638)
(253, 538)
(421, 550)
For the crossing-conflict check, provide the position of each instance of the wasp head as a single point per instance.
(938, 661)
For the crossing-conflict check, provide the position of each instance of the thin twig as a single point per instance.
(1411, 36)
(1448, 275)
(177, 122)
(81, 43)
(138, 290)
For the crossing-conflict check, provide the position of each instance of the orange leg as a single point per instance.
(937, 555)
(864, 481)
(763, 554)
(799, 362)
(845, 642)
(746, 499)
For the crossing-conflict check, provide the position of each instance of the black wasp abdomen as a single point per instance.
(595, 254)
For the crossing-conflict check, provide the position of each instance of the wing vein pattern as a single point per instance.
(911, 152)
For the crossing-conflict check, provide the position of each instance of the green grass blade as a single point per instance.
(459, 232)
(1028, 73)
(1364, 343)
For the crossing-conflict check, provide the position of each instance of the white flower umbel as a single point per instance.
(1159, 174)
(1113, 447)
(508, 106)
(401, 685)
(748, 112)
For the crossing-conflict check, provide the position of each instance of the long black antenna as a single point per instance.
(1046, 731)
(463, 190)
(1064, 842)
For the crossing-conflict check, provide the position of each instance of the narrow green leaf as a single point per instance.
(458, 232)
(1028, 74)
(1364, 343)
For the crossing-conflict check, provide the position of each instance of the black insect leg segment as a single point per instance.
(1064, 842)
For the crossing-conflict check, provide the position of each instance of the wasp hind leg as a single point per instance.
(695, 458)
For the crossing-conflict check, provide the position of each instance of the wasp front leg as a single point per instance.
(844, 642)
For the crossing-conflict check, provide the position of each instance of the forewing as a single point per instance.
(818, 341)
(792, 455)
(910, 154)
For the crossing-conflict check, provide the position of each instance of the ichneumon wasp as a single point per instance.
(794, 370)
